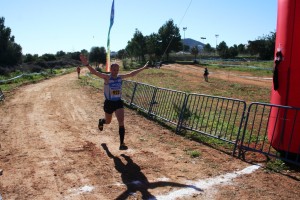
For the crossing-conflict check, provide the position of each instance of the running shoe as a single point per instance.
(100, 124)
(123, 147)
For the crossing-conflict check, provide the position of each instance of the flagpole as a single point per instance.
(112, 15)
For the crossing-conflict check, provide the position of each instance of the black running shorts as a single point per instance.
(112, 106)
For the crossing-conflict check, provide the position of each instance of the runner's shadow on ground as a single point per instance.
(135, 180)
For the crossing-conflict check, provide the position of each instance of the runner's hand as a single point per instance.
(84, 60)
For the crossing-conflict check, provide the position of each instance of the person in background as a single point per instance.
(78, 71)
(206, 73)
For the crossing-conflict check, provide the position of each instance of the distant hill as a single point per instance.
(191, 43)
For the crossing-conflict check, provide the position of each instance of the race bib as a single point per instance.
(115, 93)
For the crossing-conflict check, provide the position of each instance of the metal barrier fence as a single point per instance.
(224, 119)
(217, 117)
(273, 131)
(2, 97)
(159, 102)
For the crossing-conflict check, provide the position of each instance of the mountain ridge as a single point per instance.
(192, 43)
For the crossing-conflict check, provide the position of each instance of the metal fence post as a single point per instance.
(133, 93)
(2, 97)
(152, 101)
(241, 130)
(180, 120)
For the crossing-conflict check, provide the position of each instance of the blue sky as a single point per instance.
(48, 26)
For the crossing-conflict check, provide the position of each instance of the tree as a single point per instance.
(153, 46)
(233, 51)
(222, 50)
(241, 48)
(129, 49)
(84, 52)
(60, 54)
(30, 58)
(75, 55)
(121, 54)
(10, 52)
(170, 38)
(195, 51)
(48, 57)
(264, 47)
(98, 55)
(137, 46)
(225, 52)
(207, 48)
(102, 58)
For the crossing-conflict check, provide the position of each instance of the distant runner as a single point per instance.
(78, 71)
(206, 74)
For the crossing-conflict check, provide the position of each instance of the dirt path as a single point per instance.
(51, 149)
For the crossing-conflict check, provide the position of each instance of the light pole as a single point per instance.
(184, 29)
(217, 35)
(203, 38)
(202, 50)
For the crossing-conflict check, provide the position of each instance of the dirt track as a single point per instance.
(51, 149)
(241, 77)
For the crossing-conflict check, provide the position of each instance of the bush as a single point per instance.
(4, 71)
(36, 68)
(125, 64)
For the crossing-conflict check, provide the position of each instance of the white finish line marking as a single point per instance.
(79, 191)
(207, 183)
(201, 186)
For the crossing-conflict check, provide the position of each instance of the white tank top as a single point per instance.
(113, 90)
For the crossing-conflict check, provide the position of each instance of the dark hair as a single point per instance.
(114, 65)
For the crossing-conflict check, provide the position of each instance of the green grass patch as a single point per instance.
(93, 81)
(210, 141)
(256, 68)
(276, 165)
(193, 153)
(174, 80)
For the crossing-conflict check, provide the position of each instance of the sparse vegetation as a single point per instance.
(193, 153)
(30, 78)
